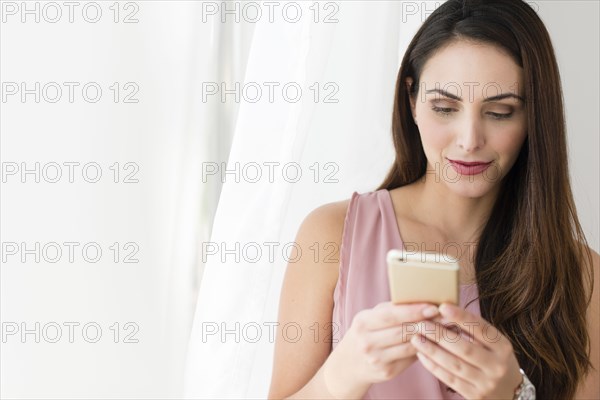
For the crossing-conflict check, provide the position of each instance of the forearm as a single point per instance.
(332, 381)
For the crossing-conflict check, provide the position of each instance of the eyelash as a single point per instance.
(446, 112)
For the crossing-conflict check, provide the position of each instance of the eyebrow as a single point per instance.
(488, 99)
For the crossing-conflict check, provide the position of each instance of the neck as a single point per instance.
(458, 218)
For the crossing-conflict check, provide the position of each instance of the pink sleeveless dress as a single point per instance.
(370, 230)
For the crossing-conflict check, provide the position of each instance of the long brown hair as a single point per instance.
(530, 260)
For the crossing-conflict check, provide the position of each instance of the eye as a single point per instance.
(500, 115)
(442, 110)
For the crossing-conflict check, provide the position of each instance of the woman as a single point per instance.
(481, 168)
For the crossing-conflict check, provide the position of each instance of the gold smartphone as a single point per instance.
(422, 277)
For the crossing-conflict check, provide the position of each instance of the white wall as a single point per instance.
(574, 28)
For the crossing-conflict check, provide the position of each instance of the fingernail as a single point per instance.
(430, 311)
(414, 339)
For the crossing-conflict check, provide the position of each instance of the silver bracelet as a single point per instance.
(526, 390)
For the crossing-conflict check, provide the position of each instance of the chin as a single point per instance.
(471, 186)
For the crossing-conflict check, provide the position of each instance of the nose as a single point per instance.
(470, 134)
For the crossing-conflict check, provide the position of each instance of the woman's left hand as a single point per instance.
(470, 355)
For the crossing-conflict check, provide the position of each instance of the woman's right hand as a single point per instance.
(377, 345)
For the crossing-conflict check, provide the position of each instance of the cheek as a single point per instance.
(434, 136)
(508, 142)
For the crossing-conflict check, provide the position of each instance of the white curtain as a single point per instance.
(338, 144)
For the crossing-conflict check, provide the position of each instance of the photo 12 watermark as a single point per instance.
(69, 12)
(449, 171)
(438, 251)
(291, 12)
(468, 91)
(69, 92)
(254, 332)
(69, 332)
(452, 171)
(69, 172)
(69, 252)
(269, 252)
(270, 92)
(419, 11)
(270, 171)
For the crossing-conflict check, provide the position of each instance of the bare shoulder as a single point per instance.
(594, 307)
(330, 216)
(307, 299)
(595, 268)
(590, 386)
(319, 238)
(596, 288)
(595, 259)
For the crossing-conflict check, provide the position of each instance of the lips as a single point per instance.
(469, 163)
(469, 167)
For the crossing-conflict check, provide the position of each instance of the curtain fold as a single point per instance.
(354, 62)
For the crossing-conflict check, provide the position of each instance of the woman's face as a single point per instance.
(470, 109)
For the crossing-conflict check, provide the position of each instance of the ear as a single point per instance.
(409, 83)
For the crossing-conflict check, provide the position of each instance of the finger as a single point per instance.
(393, 354)
(448, 361)
(474, 325)
(388, 314)
(395, 334)
(457, 384)
(458, 343)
